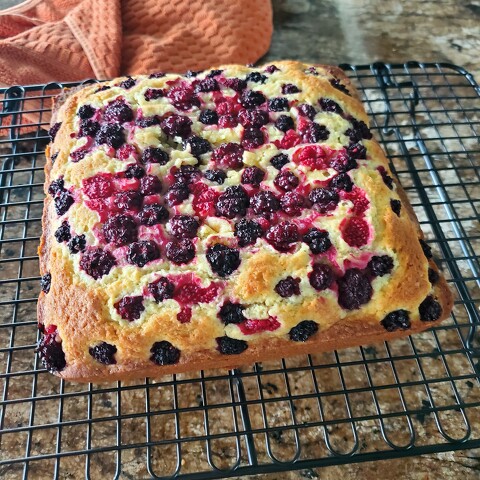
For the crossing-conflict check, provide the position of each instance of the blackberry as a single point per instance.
(223, 260)
(430, 310)
(198, 145)
(183, 97)
(176, 194)
(208, 117)
(354, 289)
(179, 252)
(217, 176)
(380, 266)
(433, 276)
(253, 118)
(335, 83)
(256, 77)
(54, 157)
(51, 353)
(176, 126)
(231, 313)
(342, 181)
(118, 112)
(130, 308)
(236, 84)
(128, 83)
(321, 277)
(227, 121)
(120, 230)
(134, 171)
(145, 122)
(278, 104)
(314, 133)
(186, 174)
(229, 155)
(86, 111)
(288, 88)
(387, 179)
(303, 331)
(357, 151)
(206, 85)
(63, 202)
(284, 123)
(328, 105)
(45, 282)
(232, 202)
(279, 160)
(252, 176)
(286, 180)
(231, 346)
(156, 75)
(77, 244)
(153, 93)
(264, 203)
(111, 134)
(271, 69)
(97, 262)
(162, 289)
(358, 131)
(252, 99)
(152, 214)
(88, 128)
(252, 138)
(396, 206)
(306, 110)
(56, 187)
(324, 199)
(247, 232)
(283, 236)
(164, 353)
(62, 234)
(183, 226)
(150, 184)
(292, 203)
(154, 155)
(142, 252)
(104, 353)
(396, 320)
(128, 200)
(317, 240)
(54, 130)
(214, 73)
(288, 286)
(343, 163)
(427, 249)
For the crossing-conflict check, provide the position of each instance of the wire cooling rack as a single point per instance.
(409, 397)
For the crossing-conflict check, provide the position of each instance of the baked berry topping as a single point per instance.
(54, 157)
(286, 180)
(120, 230)
(278, 104)
(62, 234)
(317, 240)
(45, 281)
(231, 346)
(427, 249)
(354, 289)
(303, 331)
(288, 88)
(197, 145)
(380, 266)
(314, 133)
(130, 308)
(247, 232)
(150, 184)
(86, 111)
(129, 200)
(321, 277)
(253, 176)
(284, 123)
(271, 69)
(118, 112)
(153, 93)
(279, 160)
(164, 353)
(104, 353)
(96, 262)
(334, 82)
(88, 128)
(154, 155)
(288, 286)
(252, 99)
(208, 117)
(228, 155)
(342, 181)
(183, 97)
(63, 202)
(227, 121)
(111, 134)
(231, 313)
(56, 187)
(283, 236)
(253, 118)
(128, 83)
(433, 276)
(216, 176)
(396, 320)
(236, 84)
(162, 289)
(183, 226)
(176, 194)
(355, 231)
(223, 260)
(292, 203)
(387, 179)
(430, 310)
(306, 110)
(77, 244)
(328, 105)
(232, 202)
(324, 199)
(54, 130)
(396, 206)
(208, 84)
(256, 77)
(51, 352)
(176, 126)
(358, 131)
(98, 186)
(357, 151)
(140, 253)
(264, 203)
(153, 214)
(181, 251)
(252, 138)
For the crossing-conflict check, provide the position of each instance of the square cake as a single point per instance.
(221, 218)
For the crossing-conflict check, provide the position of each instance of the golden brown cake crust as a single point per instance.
(82, 309)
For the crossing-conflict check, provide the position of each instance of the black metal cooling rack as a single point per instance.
(409, 397)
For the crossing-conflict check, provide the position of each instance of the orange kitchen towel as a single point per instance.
(67, 40)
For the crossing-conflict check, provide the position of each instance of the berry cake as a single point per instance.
(219, 218)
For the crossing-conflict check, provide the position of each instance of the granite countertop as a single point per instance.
(319, 31)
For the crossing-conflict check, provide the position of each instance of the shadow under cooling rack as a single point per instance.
(412, 396)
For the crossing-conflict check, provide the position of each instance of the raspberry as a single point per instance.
(231, 313)
(228, 155)
(77, 244)
(86, 111)
(380, 266)
(292, 203)
(253, 118)
(264, 203)
(153, 214)
(204, 200)
(164, 353)
(185, 314)
(216, 176)
(154, 155)
(236, 84)
(284, 123)
(306, 110)
(354, 289)
(286, 180)
(360, 201)
(54, 130)
(176, 194)
(51, 352)
(176, 126)
(252, 99)
(98, 186)
(247, 232)
(179, 252)
(125, 152)
(321, 277)
(303, 331)
(227, 121)
(278, 104)
(288, 286)
(129, 200)
(130, 308)
(207, 85)
(256, 77)
(396, 206)
(288, 88)
(88, 128)
(283, 236)
(328, 105)
(183, 226)
(223, 260)
(63, 202)
(104, 353)
(45, 282)
(355, 231)
(150, 184)
(317, 240)
(313, 156)
(358, 131)
(198, 145)
(342, 181)
(234, 201)
(96, 262)
(118, 112)
(120, 230)
(192, 293)
(342, 163)
(253, 176)
(183, 97)
(396, 320)
(252, 138)
(357, 151)
(128, 83)
(251, 326)
(162, 289)
(153, 93)
(231, 346)
(208, 117)
(427, 250)
(271, 69)
(279, 160)
(56, 187)
(430, 310)
(314, 133)
(334, 82)
(324, 199)
(433, 276)
(140, 253)
(111, 134)
(62, 234)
